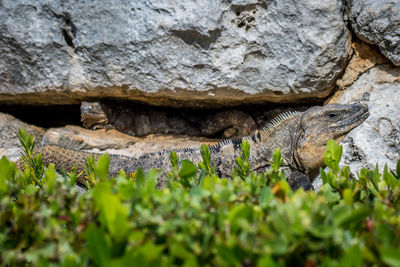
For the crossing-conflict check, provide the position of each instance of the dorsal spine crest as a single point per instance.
(268, 128)
(278, 120)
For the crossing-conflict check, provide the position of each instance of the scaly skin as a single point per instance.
(302, 138)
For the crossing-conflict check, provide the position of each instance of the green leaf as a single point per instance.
(332, 155)
(352, 257)
(206, 156)
(174, 160)
(331, 196)
(188, 169)
(90, 170)
(389, 178)
(148, 254)
(277, 160)
(98, 246)
(390, 256)
(139, 177)
(72, 177)
(385, 234)
(267, 261)
(6, 172)
(50, 178)
(337, 152)
(208, 183)
(22, 136)
(245, 149)
(279, 246)
(352, 217)
(322, 231)
(70, 260)
(179, 251)
(323, 175)
(102, 166)
(345, 172)
(113, 215)
(187, 173)
(228, 255)
(266, 197)
(242, 166)
(239, 214)
(27, 143)
(150, 178)
(31, 189)
(348, 196)
(201, 177)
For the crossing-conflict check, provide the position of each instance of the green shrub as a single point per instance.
(199, 219)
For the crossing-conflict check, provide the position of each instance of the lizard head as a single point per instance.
(320, 124)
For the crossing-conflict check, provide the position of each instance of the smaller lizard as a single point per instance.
(301, 136)
(139, 120)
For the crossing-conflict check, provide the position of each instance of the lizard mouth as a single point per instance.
(356, 119)
(365, 116)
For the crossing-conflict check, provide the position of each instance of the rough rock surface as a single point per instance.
(365, 57)
(378, 22)
(78, 138)
(102, 140)
(205, 52)
(377, 140)
(112, 141)
(9, 129)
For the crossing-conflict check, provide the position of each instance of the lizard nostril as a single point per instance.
(356, 108)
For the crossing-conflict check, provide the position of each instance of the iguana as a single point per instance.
(140, 120)
(301, 136)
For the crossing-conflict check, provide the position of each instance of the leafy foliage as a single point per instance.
(35, 163)
(198, 219)
(242, 168)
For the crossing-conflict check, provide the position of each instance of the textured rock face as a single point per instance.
(377, 140)
(114, 142)
(378, 22)
(200, 52)
(9, 142)
(77, 138)
(365, 57)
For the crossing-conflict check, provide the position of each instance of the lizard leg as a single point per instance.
(298, 179)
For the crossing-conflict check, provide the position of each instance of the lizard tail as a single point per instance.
(62, 158)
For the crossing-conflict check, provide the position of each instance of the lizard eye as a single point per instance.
(332, 115)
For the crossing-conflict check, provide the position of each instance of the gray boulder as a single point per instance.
(377, 140)
(9, 129)
(158, 52)
(378, 22)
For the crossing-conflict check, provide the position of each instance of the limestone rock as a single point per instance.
(364, 58)
(378, 22)
(9, 142)
(165, 52)
(78, 138)
(377, 140)
(114, 142)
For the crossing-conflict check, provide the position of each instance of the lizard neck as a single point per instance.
(281, 134)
